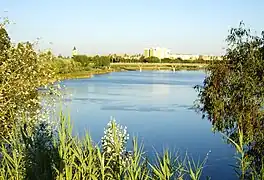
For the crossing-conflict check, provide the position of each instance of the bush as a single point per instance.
(23, 71)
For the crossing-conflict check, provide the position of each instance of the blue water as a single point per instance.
(157, 107)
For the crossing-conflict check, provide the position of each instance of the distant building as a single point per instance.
(156, 52)
(195, 57)
(165, 53)
(152, 53)
(146, 52)
(74, 51)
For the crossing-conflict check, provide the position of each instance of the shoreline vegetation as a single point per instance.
(32, 147)
(119, 67)
(42, 153)
(83, 66)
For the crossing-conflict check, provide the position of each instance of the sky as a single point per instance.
(129, 26)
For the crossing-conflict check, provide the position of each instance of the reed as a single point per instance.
(244, 168)
(43, 153)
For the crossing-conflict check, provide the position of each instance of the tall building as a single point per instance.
(156, 52)
(152, 53)
(146, 52)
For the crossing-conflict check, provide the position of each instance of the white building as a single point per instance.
(162, 53)
(157, 52)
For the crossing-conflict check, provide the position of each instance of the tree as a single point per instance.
(101, 61)
(167, 60)
(4, 39)
(200, 58)
(179, 60)
(141, 59)
(83, 59)
(4, 43)
(232, 95)
(23, 71)
(152, 59)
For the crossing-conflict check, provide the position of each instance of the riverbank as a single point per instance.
(117, 67)
(83, 74)
(159, 66)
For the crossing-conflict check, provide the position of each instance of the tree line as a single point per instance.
(105, 60)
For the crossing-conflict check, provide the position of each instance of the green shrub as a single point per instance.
(22, 72)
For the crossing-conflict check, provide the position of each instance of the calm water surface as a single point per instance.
(156, 107)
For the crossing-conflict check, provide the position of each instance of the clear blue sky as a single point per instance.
(128, 26)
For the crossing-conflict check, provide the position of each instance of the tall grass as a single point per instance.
(41, 153)
(244, 168)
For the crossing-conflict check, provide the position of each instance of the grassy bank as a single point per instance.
(116, 67)
(83, 74)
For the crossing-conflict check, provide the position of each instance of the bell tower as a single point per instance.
(74, 51)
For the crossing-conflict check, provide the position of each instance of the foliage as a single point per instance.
(243, 169)
(64, 66)
(4, 40)
(39, 154)
(152, 60)
(101, 61)
(97, 61)
(167, 60)
(22, 72)
(48, 154)
(83, 59)
(232, 96)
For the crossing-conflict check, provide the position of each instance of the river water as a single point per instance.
(157, 107)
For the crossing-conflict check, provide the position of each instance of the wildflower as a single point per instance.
(115, 139)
